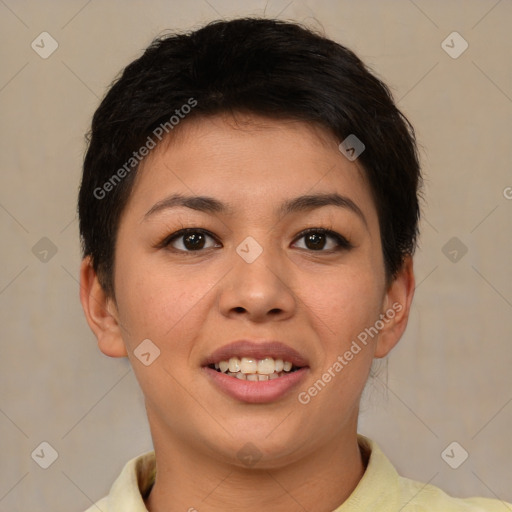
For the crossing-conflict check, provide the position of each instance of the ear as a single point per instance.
(100, 312)
(396, 308)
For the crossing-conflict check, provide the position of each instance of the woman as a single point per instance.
(248, 214)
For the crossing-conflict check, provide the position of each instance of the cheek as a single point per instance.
(344, 302)
(156, 303)
(343, 306)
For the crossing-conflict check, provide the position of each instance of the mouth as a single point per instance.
(255, 370)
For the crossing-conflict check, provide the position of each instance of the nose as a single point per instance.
(260, 291)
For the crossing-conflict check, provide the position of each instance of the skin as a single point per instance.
(191, 303)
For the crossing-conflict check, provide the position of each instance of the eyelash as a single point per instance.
(341, 241)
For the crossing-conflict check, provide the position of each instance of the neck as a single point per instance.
(320, 481)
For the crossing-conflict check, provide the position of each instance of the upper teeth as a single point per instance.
(250, 365)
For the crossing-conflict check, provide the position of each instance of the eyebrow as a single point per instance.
(298, 204)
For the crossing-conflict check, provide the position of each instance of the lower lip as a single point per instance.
(256, 392)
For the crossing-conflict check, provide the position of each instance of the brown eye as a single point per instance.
(194, 241)
(315, 241)
(323, 240)
(189, 240)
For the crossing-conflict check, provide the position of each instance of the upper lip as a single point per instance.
(256, 350)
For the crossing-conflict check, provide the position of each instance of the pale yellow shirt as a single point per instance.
(381, 489)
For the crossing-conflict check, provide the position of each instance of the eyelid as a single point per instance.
(342, 242)
(166, 242)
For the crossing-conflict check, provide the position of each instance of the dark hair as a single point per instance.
(272, 68)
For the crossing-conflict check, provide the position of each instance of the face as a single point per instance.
(280, 265)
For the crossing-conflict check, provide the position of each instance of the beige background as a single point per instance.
(450, 378)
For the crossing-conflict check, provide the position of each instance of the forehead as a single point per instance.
(246, 160)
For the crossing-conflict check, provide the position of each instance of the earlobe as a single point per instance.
(396, 308)
(100, 312)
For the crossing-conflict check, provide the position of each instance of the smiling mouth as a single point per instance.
(251, 369)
